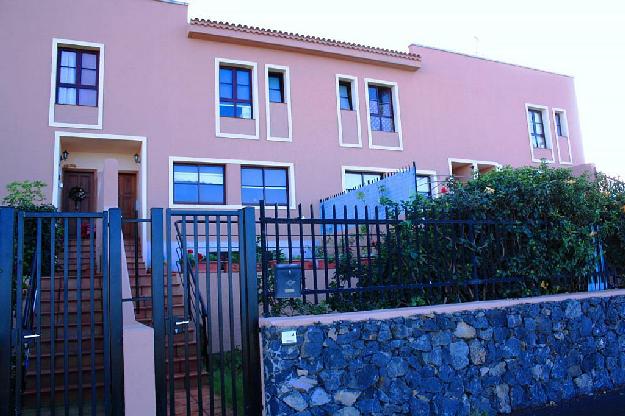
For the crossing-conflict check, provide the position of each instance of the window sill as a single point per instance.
(236, 118)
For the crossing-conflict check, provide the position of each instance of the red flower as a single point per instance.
(444, 189)
(190, 251)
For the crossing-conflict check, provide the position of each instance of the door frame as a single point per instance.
(94, 186)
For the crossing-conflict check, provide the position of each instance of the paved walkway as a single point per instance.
(609, 404)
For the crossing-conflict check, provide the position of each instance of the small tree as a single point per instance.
(24, 194)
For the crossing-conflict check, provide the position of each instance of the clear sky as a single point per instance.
(585, 39)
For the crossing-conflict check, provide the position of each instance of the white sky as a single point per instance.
(582, 38)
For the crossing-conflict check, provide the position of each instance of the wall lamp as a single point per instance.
(137, 158)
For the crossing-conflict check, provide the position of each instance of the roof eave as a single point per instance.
(300, 44)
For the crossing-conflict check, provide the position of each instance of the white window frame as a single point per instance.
(353, 82)
(286, 78)
(372, 169)
(547, 129)
(211, 161)
(396, 113)
(76, 44)
(565, 127)
(241, 64)
(433, 179)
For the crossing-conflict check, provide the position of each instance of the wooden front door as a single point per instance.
(127, 200)
(79, 190)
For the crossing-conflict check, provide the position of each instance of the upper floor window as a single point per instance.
(276, 87)
(381, 108)
(199, 184)
(537, 128)
(345, 95)
(424, 186)
(561, 124)
(353, 180)
(264, 183)
(77, 77)
(235, 92)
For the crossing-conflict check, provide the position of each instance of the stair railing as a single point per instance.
(189, 274)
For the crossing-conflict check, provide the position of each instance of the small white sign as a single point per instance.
(289, 337)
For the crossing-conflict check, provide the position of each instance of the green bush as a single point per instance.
(546, 226)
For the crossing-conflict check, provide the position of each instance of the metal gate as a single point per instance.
(205, 312)
(61, 336)
(60, 311)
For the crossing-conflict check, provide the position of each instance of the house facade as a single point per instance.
(197, 113)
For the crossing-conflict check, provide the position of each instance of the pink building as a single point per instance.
(204, 114)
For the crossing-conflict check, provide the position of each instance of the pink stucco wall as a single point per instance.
(159, 83)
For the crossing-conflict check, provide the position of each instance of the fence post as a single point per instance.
(115, 311)
(7, 228)
(249, 305)
(158, 309)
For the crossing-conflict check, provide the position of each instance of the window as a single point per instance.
(276, 87)
(424, 186)
(77, 77)
(355, 180)
(199, 184)
(235, 92)
(537, 128)
(345, 95)
(561, 124)
(381, 108)
(261, 183)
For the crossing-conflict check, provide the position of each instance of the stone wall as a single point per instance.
(481, 358)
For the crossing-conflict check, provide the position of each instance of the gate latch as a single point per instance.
(180, 325)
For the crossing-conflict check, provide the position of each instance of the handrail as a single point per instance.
(191, 289)
(30, 302)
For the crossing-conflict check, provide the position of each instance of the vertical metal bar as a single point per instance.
(79, 310)
(7, 229)
(66, 232)
(358, 265)
(277, 235)
(115, 312)
(136, 264)
(94, 401)
(264, 259)
(185, 296)
(368, 241)
(105, 313)
(209, 312)
(231, 318)
(158, 309)
(288, 233)
(347, 250)
(220, 318)
(37, 311)
(251, 355)
(170, 317)
(301, 250)
(314, 257)
(198, 316)
(52, 315)
(336, 248)
(325, 249)
(19, 344)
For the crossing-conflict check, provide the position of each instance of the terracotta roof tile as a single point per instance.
(305, 38)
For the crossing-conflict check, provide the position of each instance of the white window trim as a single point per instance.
(287, 98)
(433, 179)
(563, 119)
(372, 169)
(473, 162)
(211, 161)
(355, 107)
(396, 113)
(242, 64)
(547, 128)
(78, 44)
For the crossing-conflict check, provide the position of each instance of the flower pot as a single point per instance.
(322, 264)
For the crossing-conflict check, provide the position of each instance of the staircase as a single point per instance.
(72, 335)
(71, 339)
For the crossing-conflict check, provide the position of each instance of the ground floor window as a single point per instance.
(270, 184)
(199, 184)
